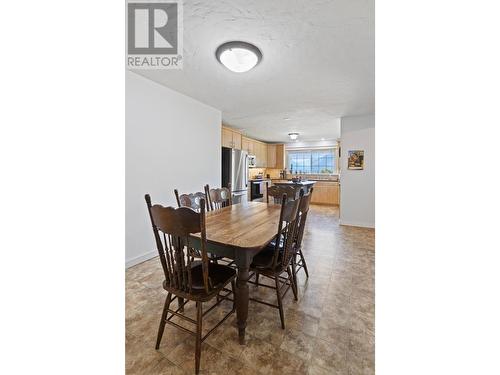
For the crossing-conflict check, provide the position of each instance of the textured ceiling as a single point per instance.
(317, 66)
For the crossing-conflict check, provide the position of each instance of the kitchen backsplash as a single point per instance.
(275, 173)
(253, 172)
(330, 177)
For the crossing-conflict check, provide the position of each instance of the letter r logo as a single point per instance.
(152, 28)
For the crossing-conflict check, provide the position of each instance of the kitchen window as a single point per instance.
(312, 161)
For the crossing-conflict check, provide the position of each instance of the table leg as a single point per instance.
(242, 302)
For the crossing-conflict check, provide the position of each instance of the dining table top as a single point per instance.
(247, 225)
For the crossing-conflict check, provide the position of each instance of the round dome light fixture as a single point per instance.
(238, 56)
(293, 136)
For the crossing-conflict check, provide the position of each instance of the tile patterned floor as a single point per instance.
(330, 330)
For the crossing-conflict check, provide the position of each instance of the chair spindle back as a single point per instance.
(172, 228)
(218, 198)
(277, 191)
(287, 227)
(191, 200)
(305, 201)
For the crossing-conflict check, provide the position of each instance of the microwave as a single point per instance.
(251, 161)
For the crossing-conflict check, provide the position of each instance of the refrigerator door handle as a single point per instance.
(246, 170)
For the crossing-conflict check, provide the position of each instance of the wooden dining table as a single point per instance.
(239, 232)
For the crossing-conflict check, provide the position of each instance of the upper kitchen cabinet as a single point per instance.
(256, 148)
(276, 156)
(231, 138)
(237, 140)
(260, 151)
(266, 155)
(247, 145)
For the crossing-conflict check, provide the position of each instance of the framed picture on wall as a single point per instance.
(356, 159)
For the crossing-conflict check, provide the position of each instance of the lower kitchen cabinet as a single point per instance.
(325, 193)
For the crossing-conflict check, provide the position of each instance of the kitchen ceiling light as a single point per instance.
(238, 56)
(293, 136)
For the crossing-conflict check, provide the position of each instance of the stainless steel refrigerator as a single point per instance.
(235, 171)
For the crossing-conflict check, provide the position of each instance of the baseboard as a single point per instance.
(140, 258)
(356, 224)
(325, 204)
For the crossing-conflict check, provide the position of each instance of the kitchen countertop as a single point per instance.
(332, 181)
(302, 183)
(312, 179)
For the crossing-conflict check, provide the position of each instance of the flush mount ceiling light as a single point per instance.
(238, 56)
(293, 136)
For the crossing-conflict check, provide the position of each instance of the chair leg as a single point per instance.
(233, 287)
(294, 269)
(163, 320)
(304, 263)
(197, 354)
(292, 282)
(280, 302)
(256, 279)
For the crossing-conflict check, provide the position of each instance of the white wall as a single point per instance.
(172, 141)
(357, 187)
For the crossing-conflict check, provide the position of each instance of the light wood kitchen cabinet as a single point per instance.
(266, 155)
(325, 193)
(244, 144)
(256, 152)
(237, 140)
(280, 157)
(260, 151)
(275, 156)
(247, 145)
(231, 138)
(271, 156)
(227, 138)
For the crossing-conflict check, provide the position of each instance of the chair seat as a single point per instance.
(264, 260)
(219, 275)
(271, 245)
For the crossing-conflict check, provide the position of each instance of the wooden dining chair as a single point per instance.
(275, 261)
(277, 191)
(218, 197)
(199, 281)
(193, 200)
(298, 261)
